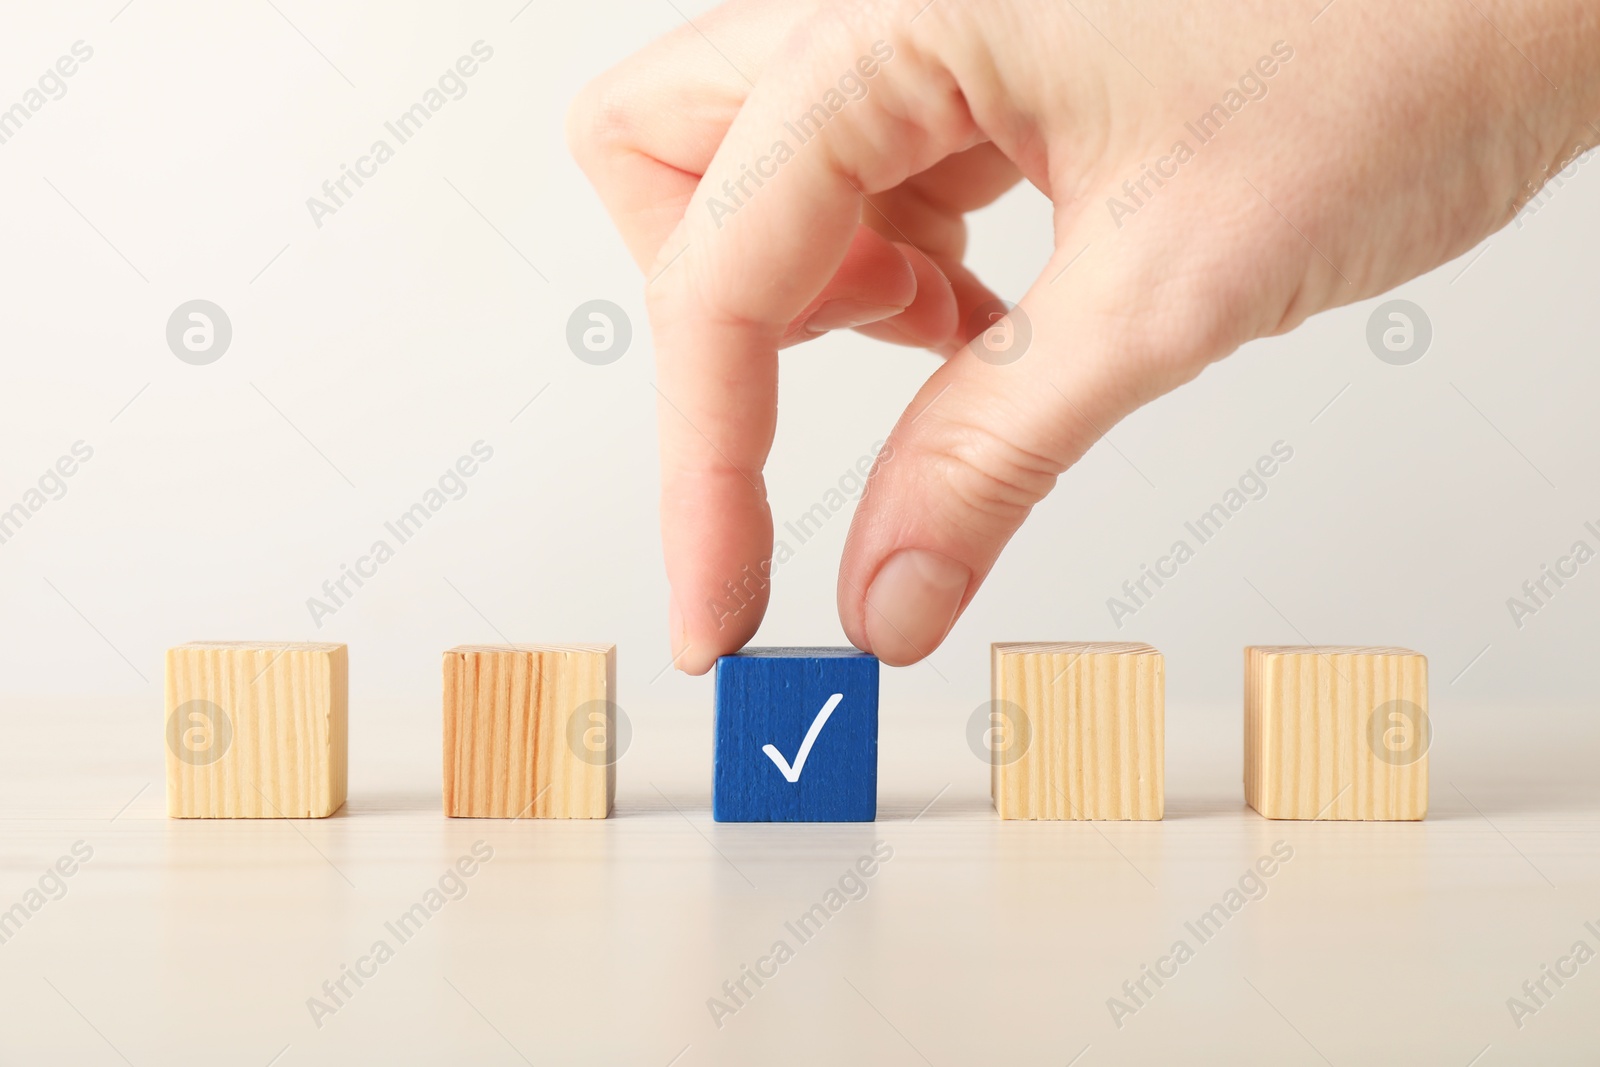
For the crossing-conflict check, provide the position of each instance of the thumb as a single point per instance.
(984, 441)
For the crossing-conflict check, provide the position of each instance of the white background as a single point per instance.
(406, 328)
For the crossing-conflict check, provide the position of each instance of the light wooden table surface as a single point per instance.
(977, 942)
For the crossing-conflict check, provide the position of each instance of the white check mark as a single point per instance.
(792, 774)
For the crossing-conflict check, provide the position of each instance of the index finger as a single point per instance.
(765, 230)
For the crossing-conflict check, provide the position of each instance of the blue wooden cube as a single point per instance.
(796, 736)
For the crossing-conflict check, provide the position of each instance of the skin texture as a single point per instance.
(1386, 140)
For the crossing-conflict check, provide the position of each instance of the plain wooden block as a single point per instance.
(796, 736)
(256, 730)
(1336, 732)
(1078, 731)
(530, 731)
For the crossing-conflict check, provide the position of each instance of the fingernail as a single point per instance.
(846, 314)
(912, 603)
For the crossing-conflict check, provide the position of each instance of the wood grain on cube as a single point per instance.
(512, 747)
(1336, 732)
(256, 730)
(1094, 722)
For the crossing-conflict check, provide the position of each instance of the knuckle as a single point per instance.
(988, 473)
(601, 119)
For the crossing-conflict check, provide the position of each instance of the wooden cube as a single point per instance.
(796, 736)
(1078, 731)
(530, 731)
(256, 730)
(1336, 732)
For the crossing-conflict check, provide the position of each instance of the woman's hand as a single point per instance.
(1219, 170)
